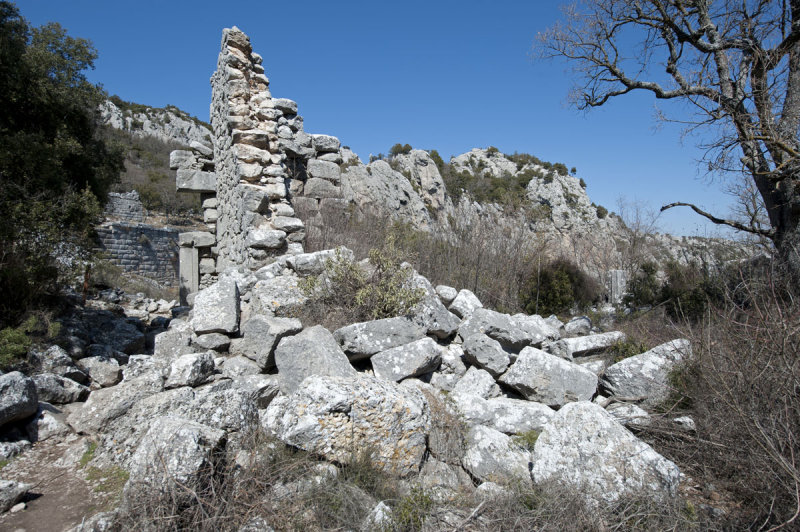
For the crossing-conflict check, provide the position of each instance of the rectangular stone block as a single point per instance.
(195, 181)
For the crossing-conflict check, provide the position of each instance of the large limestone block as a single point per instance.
(324, 170)
(314, 351)
(176, 455)
(265, 238)
(188, 180)
(216, 309)
(55, 360)
(585, 447)
(409, 360)
(545, 378)
(276, 296)
(646, 375)
(190, 370)
(314, 263)
(173, 342)
(485, 353)
(536, 327)
(498, 326)
(321, 188)
(492, 456)
(477, 382)
(325, 143)
(18, 397)
(337, 417)
(260, 335)
(509, 416)
(55, 389)
(568, 348)
(431, 313)
(362, 340)
(197, 239)
(465, 304)
(103, 371)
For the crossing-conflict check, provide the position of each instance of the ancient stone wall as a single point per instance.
(125, 206)
(143, 249)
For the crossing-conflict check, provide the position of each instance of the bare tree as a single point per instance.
(736, 62)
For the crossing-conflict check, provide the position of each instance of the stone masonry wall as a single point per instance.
(149, 251)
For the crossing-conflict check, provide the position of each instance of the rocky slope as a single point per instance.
(179, 415)
(168, 125)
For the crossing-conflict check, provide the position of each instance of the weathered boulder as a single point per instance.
(324, 170)
(173, 342)
(212, 341)
(55, 360)
(47, 423)
(498, 326)
(492, 456)
(18, 397)
(314, 351)
(409, 360)
(216, 308)
(52, 388)
(486, 353)
(510, 416)
(545, 378)
(11, 492)
(567, 348)
(430, 313)
(314, 263)
(578, 325)
(628, 414)
(536, 327)
(260, 335)
(335, 416)
(446, 293)
(362, 340)
(190, 370)
(465, 303)
(238, 366)
(265, 238)
(277, 297)
(477, 382)
(584, 447)
(176, 456)
(326, 143)
(646, 375)
(102, 371)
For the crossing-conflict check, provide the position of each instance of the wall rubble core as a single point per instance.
(260, 161)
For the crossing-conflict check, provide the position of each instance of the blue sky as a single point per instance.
(445, 75)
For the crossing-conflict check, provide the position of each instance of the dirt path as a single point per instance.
(62, 496)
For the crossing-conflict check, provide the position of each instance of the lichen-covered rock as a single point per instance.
(336, 417)
(190, 370)
(465, 303)
(260, 335)
(545, 378)
(628, 414)
(11, 492)
(510, 416)
(47, 423)
(567, 348)
(314, 263)
(477, 382)
(102, 371)
(176, 456)
(279, 296)
(584, 447)
(18, 397)
(173, 342)
(492, 456)
(216, 309)
(578, 325)
(59, 390)
(409, 360)
(486, 353)
(498, 326)
(431, 313)
(646, 375)
(446, 293)
(362, 340)
(55, 360)
(314, 351)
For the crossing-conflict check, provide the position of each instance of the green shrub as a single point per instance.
(412, 509)
(583, 184)
(527, 439)
(602, 212)
(689, 289)
(400, 149)
(351, 291)
(627, 348)
(644, 288)
(559, 286)
(492, 151)
(14, 345)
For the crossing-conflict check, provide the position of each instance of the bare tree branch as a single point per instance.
(769, 233)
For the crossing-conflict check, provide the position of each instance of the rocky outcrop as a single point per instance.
(168, 125)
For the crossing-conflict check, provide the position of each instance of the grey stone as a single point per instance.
(212, 341)
(568, 348)
(52, 388)
(446, 294)
(190, 370)
(280, 295)
(486, 353)
(332, 416)
(18, 397)
(584, 447)
(578, 325)
(102, 371)
(176, 456)
(173, 342)
(409, 360)
(464, 304)
(431, 313)
(216, 309)
(477, 382)
(545, 378)
(287, 224)
(201, 148)
(188, 180)
(324, 170)
(362, 340)
(326, 143)
(492, 456)
(260, 335)
(314, 351)
(628, 414)
(314, 263)
(47, 423)
(646, 375)
(498, 326)
(240, 365)
(11, 492)
(196, 239)
(287, 106)
(55, 360)
(535, 326)
(265, 238)
(320, 189)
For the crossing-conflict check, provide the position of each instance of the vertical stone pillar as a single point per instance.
(189, 273)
